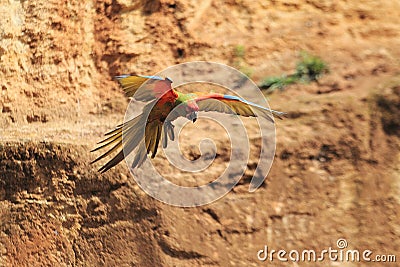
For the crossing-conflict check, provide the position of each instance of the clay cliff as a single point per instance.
(336, 169)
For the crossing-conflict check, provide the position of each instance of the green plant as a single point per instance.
(308, 69)
(311, 68)
(239, 51)
(273, 83)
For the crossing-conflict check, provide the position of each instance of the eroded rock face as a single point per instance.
(55, 213)
(336, 170)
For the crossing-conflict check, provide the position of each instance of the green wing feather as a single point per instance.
(234, 105)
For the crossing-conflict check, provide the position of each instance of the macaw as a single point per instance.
(155, 127)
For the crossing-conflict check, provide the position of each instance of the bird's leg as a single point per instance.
(168, 132)
(168, 124)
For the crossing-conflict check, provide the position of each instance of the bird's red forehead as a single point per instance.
(193, 105)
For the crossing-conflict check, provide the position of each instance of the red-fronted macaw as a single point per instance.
(155, 127)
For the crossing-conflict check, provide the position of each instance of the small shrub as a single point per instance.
(239, 51)
(309, 69)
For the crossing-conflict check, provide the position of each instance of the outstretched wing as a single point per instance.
(145, 139)
(234, 105)
(138, 133)
(153, 86)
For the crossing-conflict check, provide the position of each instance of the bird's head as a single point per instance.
(191, 110)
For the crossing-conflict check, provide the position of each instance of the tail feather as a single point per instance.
(108, 141)
(131, 132)
(153, 135)
(157, 141)
(129, 136)
(114, 161)
(114, 148)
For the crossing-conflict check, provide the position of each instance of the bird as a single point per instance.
(166, 104)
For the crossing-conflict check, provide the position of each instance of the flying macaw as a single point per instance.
(155, 126)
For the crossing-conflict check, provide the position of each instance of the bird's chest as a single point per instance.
(161, 111)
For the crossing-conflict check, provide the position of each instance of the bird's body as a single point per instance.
(166, 105)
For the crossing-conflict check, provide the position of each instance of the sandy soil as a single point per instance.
(336, 170)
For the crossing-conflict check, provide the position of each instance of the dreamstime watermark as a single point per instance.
(198, 74)
(338, 254)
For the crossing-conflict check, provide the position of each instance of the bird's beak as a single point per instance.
(194, 117)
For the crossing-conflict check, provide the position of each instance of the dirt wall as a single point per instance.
(336, 170)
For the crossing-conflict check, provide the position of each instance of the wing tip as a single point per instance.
(154, 77)
(280, 115)
(125, 76)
